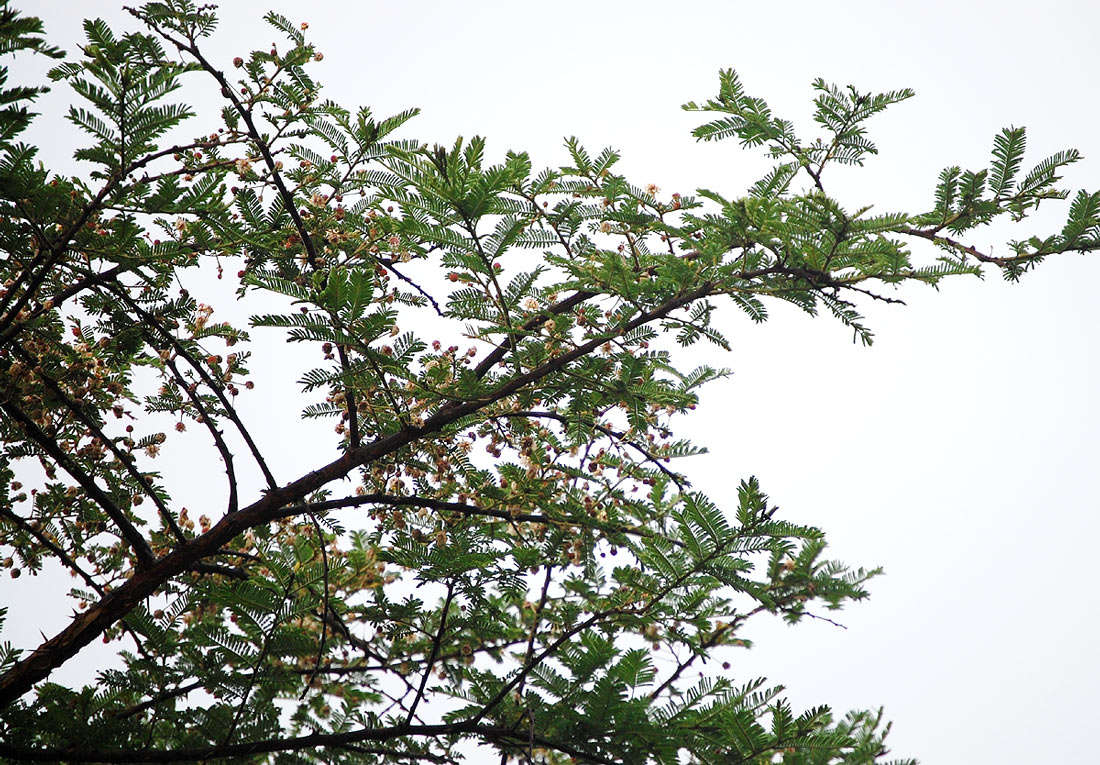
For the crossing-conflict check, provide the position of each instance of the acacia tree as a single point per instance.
(517, 564)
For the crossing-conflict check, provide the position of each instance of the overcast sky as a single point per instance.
(959, 452)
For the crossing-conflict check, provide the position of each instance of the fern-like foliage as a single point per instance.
(499, 547)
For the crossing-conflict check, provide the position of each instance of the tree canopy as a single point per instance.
(500, 550)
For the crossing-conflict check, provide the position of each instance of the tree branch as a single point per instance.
(149, 320)
(436, 641)
(300, 743)
(129, 532)
(162, 509)
(84, 628)
(211, 426)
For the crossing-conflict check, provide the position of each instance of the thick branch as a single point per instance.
(313, 741)
(87, 626)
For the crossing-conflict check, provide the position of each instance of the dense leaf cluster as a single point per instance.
(517, 563)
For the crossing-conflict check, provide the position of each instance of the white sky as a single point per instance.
(959, 452)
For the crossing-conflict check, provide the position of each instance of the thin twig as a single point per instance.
(436, 642)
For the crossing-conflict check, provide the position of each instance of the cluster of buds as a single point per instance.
(202, 315)
(185, 521)
(574, 550)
